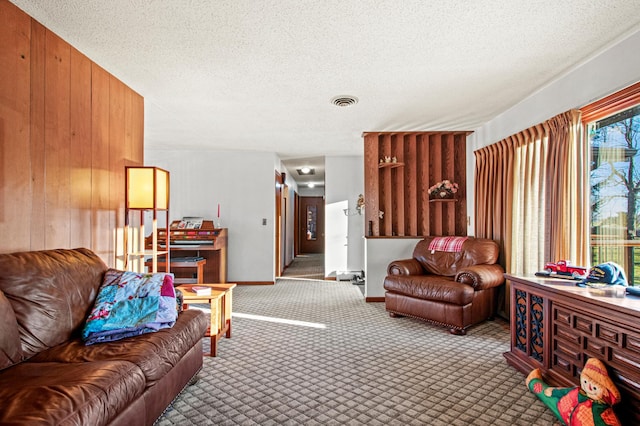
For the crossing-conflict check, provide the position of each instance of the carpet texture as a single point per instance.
(307, 266)
(314, 353)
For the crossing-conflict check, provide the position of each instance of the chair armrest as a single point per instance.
(405, 267)
(481, 277)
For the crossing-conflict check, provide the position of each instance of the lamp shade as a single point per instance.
(147, 188)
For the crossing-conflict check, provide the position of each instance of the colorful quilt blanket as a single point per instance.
(130, 304)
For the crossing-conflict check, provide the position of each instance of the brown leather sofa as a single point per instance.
(452, 289)
(47, 374)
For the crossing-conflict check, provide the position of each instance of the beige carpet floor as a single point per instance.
(314, 353)
(306, 266)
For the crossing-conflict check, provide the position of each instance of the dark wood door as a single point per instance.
(311, 225)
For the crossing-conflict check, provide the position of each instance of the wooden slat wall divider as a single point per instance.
(400, 189)
(424, 207)
(398, 207)
(69, 128)
(435, 175)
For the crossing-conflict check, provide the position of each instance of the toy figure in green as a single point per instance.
(588, 404)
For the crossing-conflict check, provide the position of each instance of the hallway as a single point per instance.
(306, 266)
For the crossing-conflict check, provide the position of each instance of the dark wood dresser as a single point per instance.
(556, 326)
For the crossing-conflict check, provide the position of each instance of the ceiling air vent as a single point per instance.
(344, 101)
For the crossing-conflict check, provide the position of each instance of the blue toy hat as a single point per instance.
(608, 273)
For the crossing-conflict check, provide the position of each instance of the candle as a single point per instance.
(218, 209)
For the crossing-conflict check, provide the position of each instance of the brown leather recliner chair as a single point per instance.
(455, 289)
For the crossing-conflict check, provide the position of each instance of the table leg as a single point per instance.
(227, 313)
(200, 274)
(214, 327)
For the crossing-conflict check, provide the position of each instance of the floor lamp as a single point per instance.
(147, 189)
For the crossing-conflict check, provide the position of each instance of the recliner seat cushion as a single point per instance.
(154, 353)
(89, 393)
(436, 288)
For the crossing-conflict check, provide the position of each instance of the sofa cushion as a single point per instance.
(51, 293)
(474, 251)
(89, 393)
(10, 352)
(436, 288)
(154, 353)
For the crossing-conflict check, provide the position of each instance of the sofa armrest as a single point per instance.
(481, 277)
(405, 267)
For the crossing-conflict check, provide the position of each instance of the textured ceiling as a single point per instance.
(260, 74)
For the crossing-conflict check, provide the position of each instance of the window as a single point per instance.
(613, 131)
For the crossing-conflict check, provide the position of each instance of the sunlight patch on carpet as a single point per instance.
(278, 320)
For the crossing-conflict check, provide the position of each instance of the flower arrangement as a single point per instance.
(444, 189)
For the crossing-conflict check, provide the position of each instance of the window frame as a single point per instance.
(616, 102)
(605, 107)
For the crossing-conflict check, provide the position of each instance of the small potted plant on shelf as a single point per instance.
(443, 190)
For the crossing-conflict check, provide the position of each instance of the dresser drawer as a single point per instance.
(562, 316)
(566, 334)
(626, 360)
(568, 351)
(583, 323)
(596, 348)
(564, 365)
(608, 333)
(632, 343)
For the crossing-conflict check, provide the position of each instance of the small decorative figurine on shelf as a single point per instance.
(394, 160)
(380, 214)
(564, 267)
(387, 159)
(360, 203)
(445, 189)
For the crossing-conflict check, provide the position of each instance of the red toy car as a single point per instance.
(564, 267)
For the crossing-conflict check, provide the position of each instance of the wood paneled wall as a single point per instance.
(400, 189)
(67, 130)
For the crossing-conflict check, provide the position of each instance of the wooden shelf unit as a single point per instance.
(400, 189)
(443, 200)
(391, 165)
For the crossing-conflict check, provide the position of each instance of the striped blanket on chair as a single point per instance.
(452, 244)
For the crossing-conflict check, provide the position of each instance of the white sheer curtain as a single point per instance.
(527, 232)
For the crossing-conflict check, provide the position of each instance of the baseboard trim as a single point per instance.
(255, 282)
(374, 299)
(330, 278)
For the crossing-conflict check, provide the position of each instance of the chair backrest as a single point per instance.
(474, 251)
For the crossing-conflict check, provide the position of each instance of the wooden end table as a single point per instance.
(220, 301)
